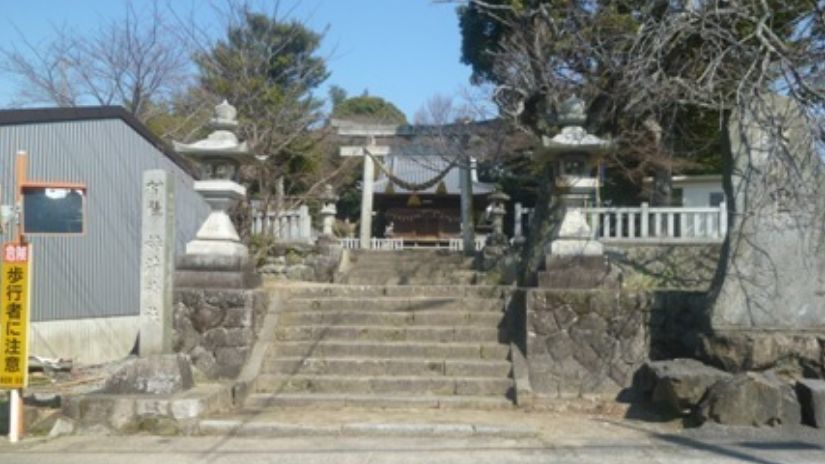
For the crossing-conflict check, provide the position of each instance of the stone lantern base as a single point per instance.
(216, 258)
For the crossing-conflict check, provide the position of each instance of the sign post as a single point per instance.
(15, 297)
(53, 208)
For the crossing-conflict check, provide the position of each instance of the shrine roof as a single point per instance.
(418, 169)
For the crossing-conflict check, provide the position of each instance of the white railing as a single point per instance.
(457, 244)
(660, 224)
(386, 244)
(294, 225)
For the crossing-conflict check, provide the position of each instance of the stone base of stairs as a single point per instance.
(368, 422)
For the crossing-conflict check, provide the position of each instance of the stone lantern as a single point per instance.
(575, 155)
(328, 211)
(217, 248)
(498, 199)
(575, 258)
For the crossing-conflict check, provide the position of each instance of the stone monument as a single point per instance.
(216, 257)
(772, 276)
(575, 258)
(157, 256)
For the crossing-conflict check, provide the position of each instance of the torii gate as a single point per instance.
(370, 131)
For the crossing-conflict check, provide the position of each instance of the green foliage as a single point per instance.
(337, 95)
(369, 109)
(268, 70)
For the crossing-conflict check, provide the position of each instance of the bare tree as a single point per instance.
(640, 65)
(134, 61)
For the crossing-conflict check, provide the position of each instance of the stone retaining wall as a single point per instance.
(217, 328)
(682, 267)
(586, 342)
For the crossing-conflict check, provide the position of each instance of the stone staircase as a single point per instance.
(409, 267)
(422, 346)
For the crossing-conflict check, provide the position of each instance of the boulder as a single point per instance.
(679, 384)
(157, 375)
(811, 393)
(751, 399)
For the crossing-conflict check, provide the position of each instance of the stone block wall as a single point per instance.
(217, 328)
(585, 342)
(674, 267)
(299, 261)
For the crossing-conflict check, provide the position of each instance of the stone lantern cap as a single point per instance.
(222, 143)
(573, 137)
(499, 197)
(572, 112)
(226, 116)
(329, 195)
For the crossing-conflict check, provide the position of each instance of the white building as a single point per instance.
(695, 191)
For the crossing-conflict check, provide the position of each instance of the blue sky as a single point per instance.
(402, 50)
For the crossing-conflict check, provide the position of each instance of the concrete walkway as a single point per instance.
(565, 439)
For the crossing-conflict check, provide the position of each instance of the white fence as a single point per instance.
(386, 244)
(293, 225)
(659, 225)
(396, 244)
(457, 244)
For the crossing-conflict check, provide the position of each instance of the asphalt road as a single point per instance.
(709, 446)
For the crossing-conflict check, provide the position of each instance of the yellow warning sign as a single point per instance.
(14, 315)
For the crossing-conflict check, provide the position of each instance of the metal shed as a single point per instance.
(86, 290)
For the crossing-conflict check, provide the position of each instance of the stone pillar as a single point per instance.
(157, 262)
(305, 223)
(366, 202)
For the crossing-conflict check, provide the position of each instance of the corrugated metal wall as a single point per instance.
(96, 275)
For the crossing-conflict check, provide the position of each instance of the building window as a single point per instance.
(716, 198)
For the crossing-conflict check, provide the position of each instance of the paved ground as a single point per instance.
(563, 439)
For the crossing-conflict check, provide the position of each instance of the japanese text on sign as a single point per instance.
(14, 315)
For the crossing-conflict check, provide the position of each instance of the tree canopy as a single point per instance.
(269, 69)
(659, 76)
(367, 108)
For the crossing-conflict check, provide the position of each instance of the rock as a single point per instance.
(811, 393)
(204, 361)
(774, 275)
(750, 399)
(157, 375)
(238, 317)
(300, 272)
(62, 426)
(679, 384)
(801, 353)
(277, 260)
(206, 317)
(273, 269)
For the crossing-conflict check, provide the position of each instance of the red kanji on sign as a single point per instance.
(15, 253)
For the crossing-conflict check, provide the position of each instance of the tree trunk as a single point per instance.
(467, 232)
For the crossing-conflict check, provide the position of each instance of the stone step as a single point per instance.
(373, 291)
(388, 333)
(389, 385)
(244, 426)
(383, 278)
(396, 304)
(258, 401)
(359, 349)
(388, 367)
(450, 318)
(411, 256)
